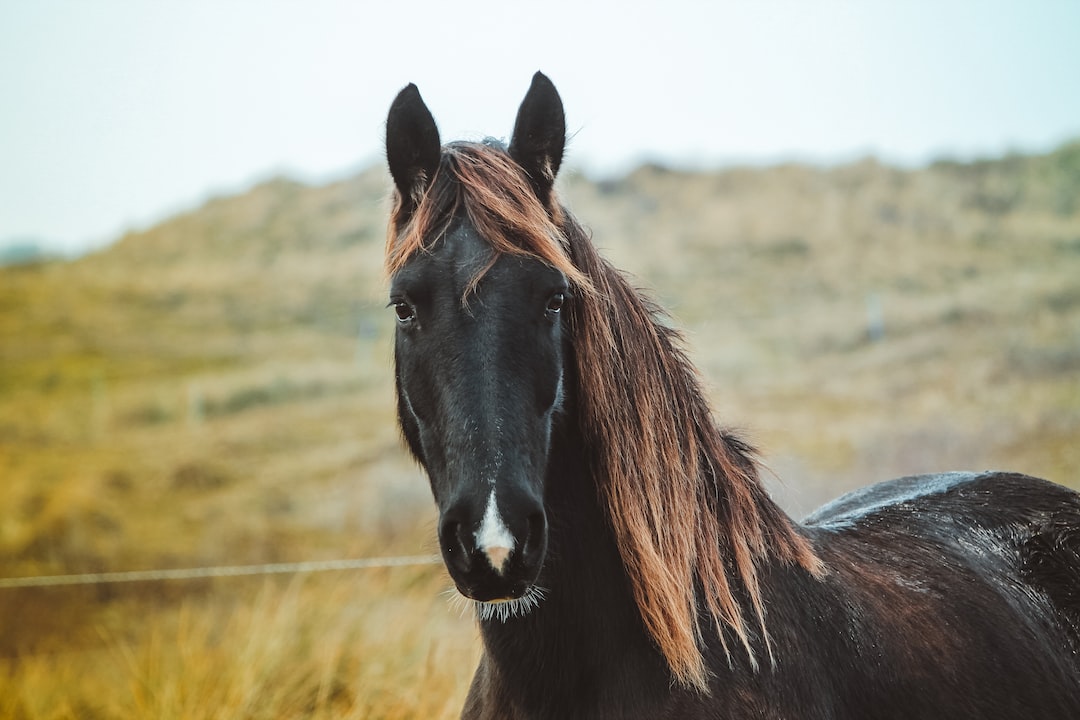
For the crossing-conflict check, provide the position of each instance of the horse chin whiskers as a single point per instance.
(501, 610)
(458, 602)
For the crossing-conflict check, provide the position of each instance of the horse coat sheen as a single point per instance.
(623, 558)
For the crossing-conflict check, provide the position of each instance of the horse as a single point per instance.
(621, 553)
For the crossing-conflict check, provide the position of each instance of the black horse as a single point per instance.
(622, 555)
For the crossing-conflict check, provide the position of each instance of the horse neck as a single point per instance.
(560, 656)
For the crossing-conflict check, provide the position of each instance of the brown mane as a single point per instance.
(683, 496)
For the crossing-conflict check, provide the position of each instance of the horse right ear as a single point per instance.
(540, 135)
(412, 146)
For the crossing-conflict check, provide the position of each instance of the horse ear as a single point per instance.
(540, 135)
(412, 145)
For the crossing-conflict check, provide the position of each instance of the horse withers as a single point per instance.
(622, 555)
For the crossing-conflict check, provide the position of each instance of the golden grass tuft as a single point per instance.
(382, 644)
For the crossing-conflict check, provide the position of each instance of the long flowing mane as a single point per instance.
(691, 520)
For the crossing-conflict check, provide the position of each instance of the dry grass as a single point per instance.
(380, 645)
(217, 390)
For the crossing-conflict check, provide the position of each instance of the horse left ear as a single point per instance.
(412, 146)
(540, 135)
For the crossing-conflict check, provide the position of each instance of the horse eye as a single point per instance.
(555, 303)
(404, 311)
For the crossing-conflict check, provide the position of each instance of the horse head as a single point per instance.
(480, 342)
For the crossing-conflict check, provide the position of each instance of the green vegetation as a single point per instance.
(217, 390)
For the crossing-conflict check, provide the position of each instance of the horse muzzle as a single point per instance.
(494, 549)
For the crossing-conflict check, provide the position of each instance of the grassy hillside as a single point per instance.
(217, 390)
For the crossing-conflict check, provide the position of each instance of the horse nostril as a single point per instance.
(536, 540)
(454, 546)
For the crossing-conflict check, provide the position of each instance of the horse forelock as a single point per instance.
(480, 182)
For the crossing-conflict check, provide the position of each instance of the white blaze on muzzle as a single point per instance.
(493, 538)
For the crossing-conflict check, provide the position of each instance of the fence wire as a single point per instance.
(310, 566)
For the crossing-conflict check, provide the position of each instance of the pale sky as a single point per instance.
(116, 113)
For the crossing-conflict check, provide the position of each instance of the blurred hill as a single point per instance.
(20, 251)
(217, 389)
(150, 390)
(242, 348)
